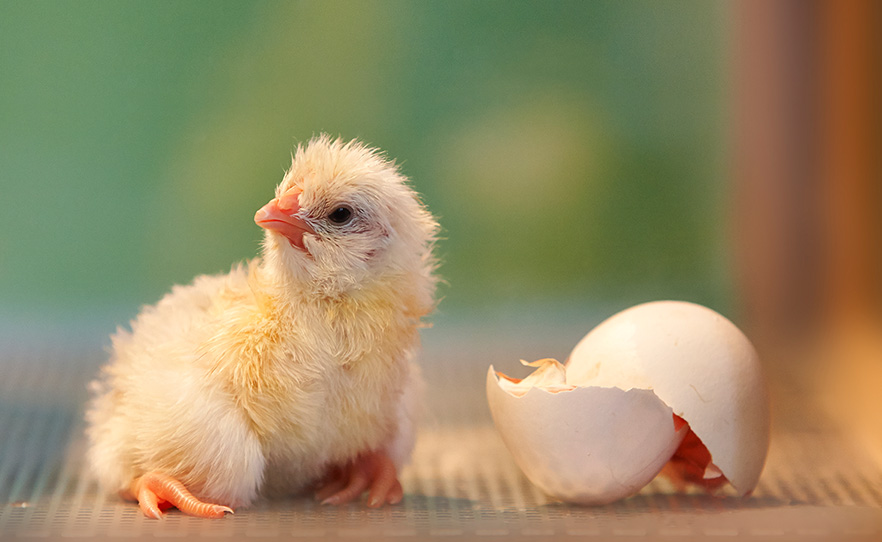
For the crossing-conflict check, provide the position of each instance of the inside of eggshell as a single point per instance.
(692, 463)
(550, 375)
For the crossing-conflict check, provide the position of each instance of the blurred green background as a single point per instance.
(575, 152)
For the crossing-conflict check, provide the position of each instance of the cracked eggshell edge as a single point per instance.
(590, 445)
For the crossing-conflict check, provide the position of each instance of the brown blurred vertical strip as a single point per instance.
(850, 170)
(807, 163)
(776, 186)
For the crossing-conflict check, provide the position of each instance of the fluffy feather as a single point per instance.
(258, 381)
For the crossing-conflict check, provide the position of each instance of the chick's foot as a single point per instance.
(371, 471)
(156, 492)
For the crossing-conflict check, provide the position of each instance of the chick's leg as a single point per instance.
(156, 492)
(372, 471)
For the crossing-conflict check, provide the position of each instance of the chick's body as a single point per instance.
(261, 380)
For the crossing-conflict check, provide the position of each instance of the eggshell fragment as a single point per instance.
(699, 364)
(584, 445)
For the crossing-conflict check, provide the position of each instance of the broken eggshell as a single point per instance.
(663, 382)
(587, 445)
(699, 364)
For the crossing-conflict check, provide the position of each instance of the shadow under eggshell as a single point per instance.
(590, 445)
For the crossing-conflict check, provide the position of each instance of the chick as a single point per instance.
(293, 371)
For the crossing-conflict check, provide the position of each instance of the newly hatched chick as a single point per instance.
(294, 370)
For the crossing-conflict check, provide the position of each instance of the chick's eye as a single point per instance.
(341, 215)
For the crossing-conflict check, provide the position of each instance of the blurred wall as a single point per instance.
(808, 166)
(574, 151)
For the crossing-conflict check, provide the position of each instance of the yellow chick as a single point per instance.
(293, 371)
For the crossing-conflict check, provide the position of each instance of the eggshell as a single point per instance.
(584, 445)
(699, 364)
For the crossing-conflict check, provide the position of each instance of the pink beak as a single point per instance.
(279, 215)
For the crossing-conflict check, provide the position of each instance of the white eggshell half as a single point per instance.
(699, 364)
(586, 445)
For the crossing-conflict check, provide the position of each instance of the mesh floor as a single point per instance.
(462, 483)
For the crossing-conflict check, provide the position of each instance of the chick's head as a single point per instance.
(344, 217)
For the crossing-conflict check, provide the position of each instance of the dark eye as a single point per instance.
(341, 215)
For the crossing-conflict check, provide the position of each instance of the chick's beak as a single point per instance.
(280, 215)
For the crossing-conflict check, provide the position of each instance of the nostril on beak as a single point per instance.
(289, 203)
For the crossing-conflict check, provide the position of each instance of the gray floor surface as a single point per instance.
(819, 483)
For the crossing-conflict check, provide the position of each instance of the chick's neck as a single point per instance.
(396, 293)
